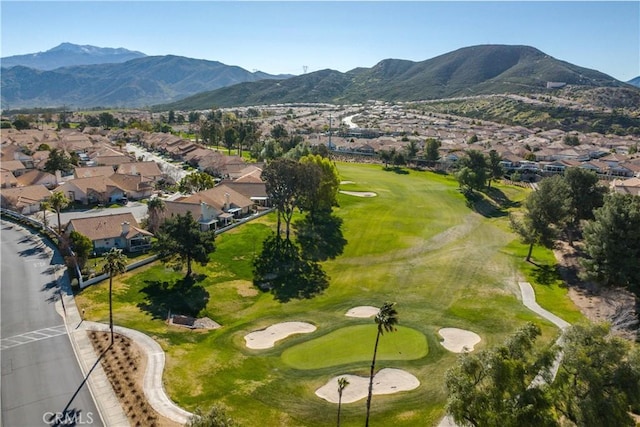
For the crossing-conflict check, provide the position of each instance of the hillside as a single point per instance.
(69, 54)
(485, 69)
(135, 83)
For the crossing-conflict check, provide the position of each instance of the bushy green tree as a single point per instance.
(492, 387)
(195, 182)
(585, 195)
(599, 378)
(82, 246)
(283, 180)
(597, 382)
(180, 241)
(545, 213)
(473, 171)
(431, 150)
(612, 242)
(58, 160)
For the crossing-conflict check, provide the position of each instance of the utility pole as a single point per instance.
(330, 146)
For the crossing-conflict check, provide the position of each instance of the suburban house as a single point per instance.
(147, 170)
(16, 167)
(36, 177)
(626, 186)
(135, 186)
(120, 231)
(99, 189)
(92, 171)
(212, 208)
(25, 200)
(7, 180)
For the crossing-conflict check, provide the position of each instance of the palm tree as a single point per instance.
(386, 319)
(115, 263)
(58, 201)
(342, 383)
(155, 207)
(44, 206)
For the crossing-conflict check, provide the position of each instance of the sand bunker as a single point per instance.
(458, 340)
(359, 193)
(387, 381)
(267, 338)
(363, 311)
(346, 182)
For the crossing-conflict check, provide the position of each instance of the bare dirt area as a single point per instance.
(615, 306)
(124, 365)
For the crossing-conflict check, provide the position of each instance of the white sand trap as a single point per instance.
(363, 311)
(387, 381)
(266, 338)
(458, 340)
(346, 182)
(359, 193)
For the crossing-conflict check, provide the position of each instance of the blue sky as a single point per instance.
(282, 37)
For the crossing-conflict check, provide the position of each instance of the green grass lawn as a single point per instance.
(445, 263)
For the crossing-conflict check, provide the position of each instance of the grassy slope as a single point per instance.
(416, 243)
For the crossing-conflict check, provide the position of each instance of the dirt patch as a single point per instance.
(193, 323)
(124, 366)
(615, 306)
(246, 289)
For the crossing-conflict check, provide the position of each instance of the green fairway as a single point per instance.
(417, 243)
(355, 344)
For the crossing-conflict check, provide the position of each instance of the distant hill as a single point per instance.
(635, 82)
(69, 54)
(136, 83)
(484, 69)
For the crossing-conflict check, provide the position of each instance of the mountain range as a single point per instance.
(176, 82)
(69, 54)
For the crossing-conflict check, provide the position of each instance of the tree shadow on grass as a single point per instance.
(492, 203)
(397, 169)
(183, 296)
(281, 270)
(546, 274)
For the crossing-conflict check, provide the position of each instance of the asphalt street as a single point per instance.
(42, 383)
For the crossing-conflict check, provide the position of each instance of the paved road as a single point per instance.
(40, 373)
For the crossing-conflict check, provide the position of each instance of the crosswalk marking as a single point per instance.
(32, 336)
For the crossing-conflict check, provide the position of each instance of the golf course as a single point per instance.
(412, 238)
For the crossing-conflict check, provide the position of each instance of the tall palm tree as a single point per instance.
(386, 320)
(58, 201)
(115, 263)
(155, 207)
(342, 383)
(44, 206)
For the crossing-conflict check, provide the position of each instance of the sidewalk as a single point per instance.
(103, 395)
(108, 405)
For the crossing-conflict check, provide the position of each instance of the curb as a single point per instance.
(99, 386)
(152, 384)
